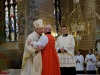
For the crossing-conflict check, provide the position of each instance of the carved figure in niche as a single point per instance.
(98, 46)
(21, 24)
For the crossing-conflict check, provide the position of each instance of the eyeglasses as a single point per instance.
(63, 29)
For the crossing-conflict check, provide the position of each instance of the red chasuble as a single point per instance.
(50, 59)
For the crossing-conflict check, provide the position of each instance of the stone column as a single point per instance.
(87, 41)
(22, 23)
(46, 11)
(66, 9)
(28, 12)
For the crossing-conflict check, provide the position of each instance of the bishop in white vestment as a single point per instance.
(32, 61)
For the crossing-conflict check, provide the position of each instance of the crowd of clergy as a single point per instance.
(87, 64)
(43, 55)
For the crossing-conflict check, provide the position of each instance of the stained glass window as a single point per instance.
(11, 20)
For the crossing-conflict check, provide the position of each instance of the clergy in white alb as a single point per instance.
(79, 63)
(32, 61)
(91, 63)
(65, 47)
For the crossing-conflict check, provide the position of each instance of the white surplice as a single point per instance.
(42, 41)
(79, 65)
(90, 65)
(66, 59)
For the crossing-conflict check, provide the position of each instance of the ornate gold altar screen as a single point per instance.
(77, 21)
(80, 23)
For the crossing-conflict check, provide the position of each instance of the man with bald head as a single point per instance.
(50, 61)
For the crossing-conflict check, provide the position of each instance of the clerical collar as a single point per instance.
(90, 54)
(48, 33)
(64, 35)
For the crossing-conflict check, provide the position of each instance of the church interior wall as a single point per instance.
(29, 11)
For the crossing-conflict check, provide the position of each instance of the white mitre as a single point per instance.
(38, 23)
